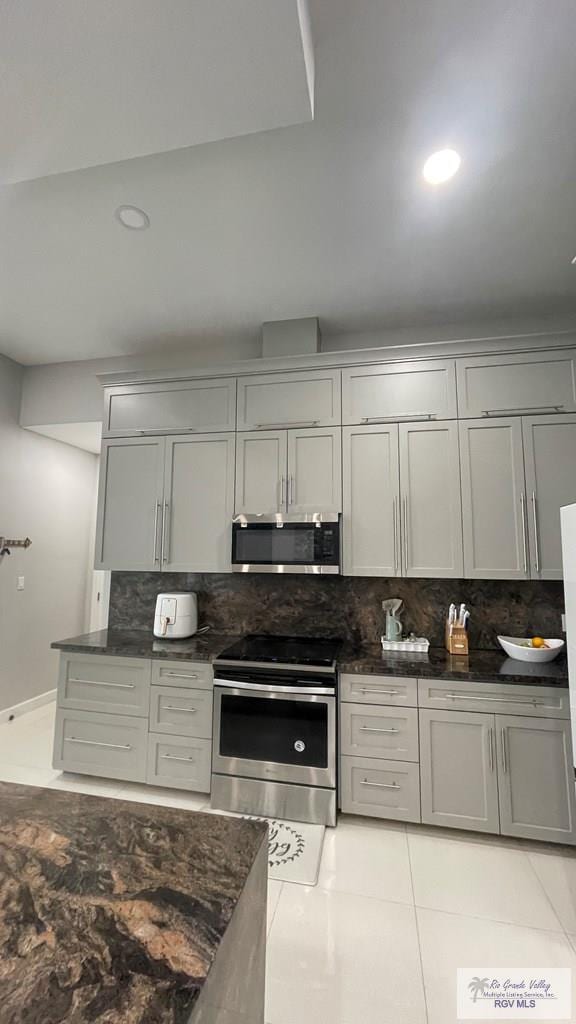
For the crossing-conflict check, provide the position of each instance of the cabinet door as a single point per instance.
(523, 382)
(371, 526)
(261, 472)
(199, 503)
(431, 504)
(458, 779)
(315, 470)
(550, 456)
(392, 391)
(536, 778)
(308, 398)
(129, 504)
(494, 508)
(205, 405)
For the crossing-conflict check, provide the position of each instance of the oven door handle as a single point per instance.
(276, 691)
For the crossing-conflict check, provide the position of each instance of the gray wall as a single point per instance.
(346, 606)
(47, 491)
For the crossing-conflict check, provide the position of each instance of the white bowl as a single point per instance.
(515, 647)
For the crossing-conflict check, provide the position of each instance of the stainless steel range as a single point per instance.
(274, 750)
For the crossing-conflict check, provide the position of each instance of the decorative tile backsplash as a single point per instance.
(344, 606)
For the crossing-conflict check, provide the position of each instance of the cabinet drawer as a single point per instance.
(181, 712)
(308, 398)
(179, 763)
(198, 675)
(111, 746)
(379, 732)
(204, 405)
(393, 391)
(369, 689)
(380, 789)
(117, 686)
(536, 382)
(540, 701)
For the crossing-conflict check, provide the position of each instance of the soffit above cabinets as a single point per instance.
(90, 82)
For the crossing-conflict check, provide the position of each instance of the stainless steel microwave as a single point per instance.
(287, 543)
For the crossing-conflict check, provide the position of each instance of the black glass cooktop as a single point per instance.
(287, 650)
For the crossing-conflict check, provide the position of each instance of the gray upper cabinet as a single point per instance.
(261, 471)
(495, 513)
(314, 470)
(198, 503)
(527, 382)
(536, 779)
(371, 522)
(458, 774)
(129, 504)
(431, 511)
(550, 457)
(395, 391)
(194, 405)
(307, 398)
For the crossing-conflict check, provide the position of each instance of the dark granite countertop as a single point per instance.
(112, 910)
(477, 667)
(140, 643)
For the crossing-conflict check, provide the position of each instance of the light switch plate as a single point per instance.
(19, 583)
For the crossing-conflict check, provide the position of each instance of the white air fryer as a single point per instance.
(176, 616)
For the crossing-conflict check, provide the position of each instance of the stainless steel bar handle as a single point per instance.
(98, 743)
(371, 689)
(504, 755)
(101, 682)
(528, 409)
(282, 426)
(536, 542)
(163, 431)
(524, 526)
(498, 700)
(290, 490)
(405, 502)
(165, 533)
(394, 531)
(490, 750)
(380, 785)
(172, 707)
(181, 675)
(175, 757)
(156, 516)
(396, 419)
(369, 728)
(282, 500)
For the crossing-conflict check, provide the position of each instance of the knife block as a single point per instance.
(456, 639)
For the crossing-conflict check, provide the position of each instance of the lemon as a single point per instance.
(537, 641)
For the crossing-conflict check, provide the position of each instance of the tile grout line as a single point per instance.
(420, 960)
(273, 918)
(545, 891)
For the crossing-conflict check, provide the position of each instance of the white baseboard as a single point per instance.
(27, 705)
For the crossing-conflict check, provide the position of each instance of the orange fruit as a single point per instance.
(537, 641)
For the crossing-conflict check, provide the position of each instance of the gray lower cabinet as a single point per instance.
(198, 675)
(111, 746)
(181, 712)
(536, 778)
(110, 685)
(458, 775)
(179, 762)
(379, 732)
(379, 788)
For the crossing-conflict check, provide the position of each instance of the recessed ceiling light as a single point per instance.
(133, 218)
(441, 166)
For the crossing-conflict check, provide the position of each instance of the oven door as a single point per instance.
(276, 735)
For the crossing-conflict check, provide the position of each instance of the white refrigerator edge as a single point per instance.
(568, 522)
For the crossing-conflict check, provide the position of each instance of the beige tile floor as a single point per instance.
(395, 912)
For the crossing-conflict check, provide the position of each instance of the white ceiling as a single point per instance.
(88, 82)
(328, 218)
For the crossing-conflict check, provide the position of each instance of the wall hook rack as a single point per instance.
(6, 545)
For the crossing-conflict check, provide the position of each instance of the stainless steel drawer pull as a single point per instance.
(175, 757)
(172, 707)
(101, 682)
(280, 426)
(371, 689)
(381, 785)
(97, 743)
(529, 408)
(369, 728)
(531, 702)
(395, 419)
(181, 675)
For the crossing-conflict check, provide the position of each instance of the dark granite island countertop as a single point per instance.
(140, 643)
(477, 667)
(120, 913)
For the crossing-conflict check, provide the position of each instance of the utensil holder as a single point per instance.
(456, 639)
